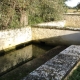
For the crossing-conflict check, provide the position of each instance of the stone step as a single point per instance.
(57, 67)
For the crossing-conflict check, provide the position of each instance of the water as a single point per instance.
(20, 56)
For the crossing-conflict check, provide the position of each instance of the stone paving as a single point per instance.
(57, 67)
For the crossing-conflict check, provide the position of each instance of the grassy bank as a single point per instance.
(75, 75)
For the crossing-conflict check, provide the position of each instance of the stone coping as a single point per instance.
(50, 25)
(59, 28)
(72, 14)
(57, 67)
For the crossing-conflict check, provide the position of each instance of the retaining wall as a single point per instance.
(72, 19)
(48, 34)
(56, 35)
(10, 38)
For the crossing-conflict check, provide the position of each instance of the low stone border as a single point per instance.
(57, 67)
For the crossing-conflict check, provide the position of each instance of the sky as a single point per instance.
(72, 3)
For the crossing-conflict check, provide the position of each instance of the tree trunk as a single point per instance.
(24, 18)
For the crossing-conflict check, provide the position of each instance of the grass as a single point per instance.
(75, 75)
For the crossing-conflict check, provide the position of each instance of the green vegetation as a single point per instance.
(13, 13)
(75, 75)
(19, 13)
(46, 10)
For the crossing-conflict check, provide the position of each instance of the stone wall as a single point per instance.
(40, 33)
(72, 20)
(10, 38)
(56, 36)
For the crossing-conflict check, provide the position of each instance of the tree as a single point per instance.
(78, 6)
(47, 10)
(13, 12)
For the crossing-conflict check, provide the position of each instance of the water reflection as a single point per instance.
(40, 49)
(16, 57)
(11, 59)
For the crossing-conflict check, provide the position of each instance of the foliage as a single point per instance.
(48, 10)
(14, 13)
(78, 7)
(75, 75)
